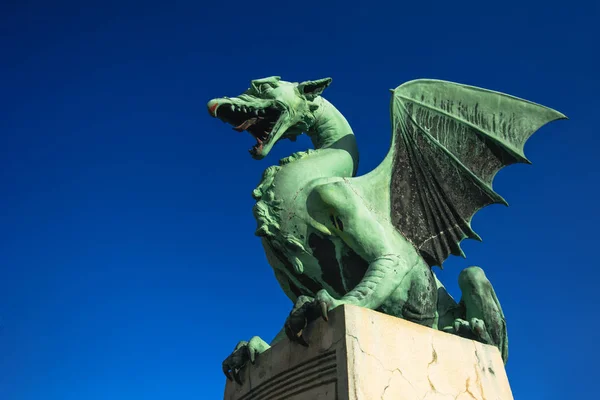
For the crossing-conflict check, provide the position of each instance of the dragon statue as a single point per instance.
(335, 238)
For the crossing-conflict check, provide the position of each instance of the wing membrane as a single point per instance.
(450, 140)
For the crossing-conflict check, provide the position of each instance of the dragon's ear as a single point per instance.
(312, 89)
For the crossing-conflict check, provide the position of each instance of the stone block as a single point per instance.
(362, 354)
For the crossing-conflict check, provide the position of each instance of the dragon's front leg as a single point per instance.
(395, 268)
(376, 287)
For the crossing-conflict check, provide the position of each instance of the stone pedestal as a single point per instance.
(362, 354)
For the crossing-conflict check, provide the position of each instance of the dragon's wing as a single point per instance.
(449, 140)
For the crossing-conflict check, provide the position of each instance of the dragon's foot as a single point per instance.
(474, 329)
(307, 309)
(243, 352)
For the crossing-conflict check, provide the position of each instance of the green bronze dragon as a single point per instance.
(335, 238)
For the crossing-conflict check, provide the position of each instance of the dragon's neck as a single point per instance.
(331, 131)
(335, 155)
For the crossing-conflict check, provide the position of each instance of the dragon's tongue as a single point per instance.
(246, 124)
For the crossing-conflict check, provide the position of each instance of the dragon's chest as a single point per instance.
(320, 262)
(304, 259)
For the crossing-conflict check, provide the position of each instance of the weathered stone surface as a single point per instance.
(362, 354)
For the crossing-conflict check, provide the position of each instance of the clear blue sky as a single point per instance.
(128, 265)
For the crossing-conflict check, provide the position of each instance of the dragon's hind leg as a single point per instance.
(483, 318)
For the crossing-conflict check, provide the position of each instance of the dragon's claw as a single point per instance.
(252, 356)
(226, 372)
(306, 310)
(243, 352)
(473, 329)
(324, 311)
(301, 340)
(480, 331)
(300, 316)
(461, 326)
(288, 332)
(236, 377)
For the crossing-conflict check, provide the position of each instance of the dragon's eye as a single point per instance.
(261, 87)
(265, 87)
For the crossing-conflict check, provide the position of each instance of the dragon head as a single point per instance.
(271, 110)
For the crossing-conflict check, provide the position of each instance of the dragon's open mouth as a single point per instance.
(258, 121)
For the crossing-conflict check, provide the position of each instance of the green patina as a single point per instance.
(268, 212)
(333, 238)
